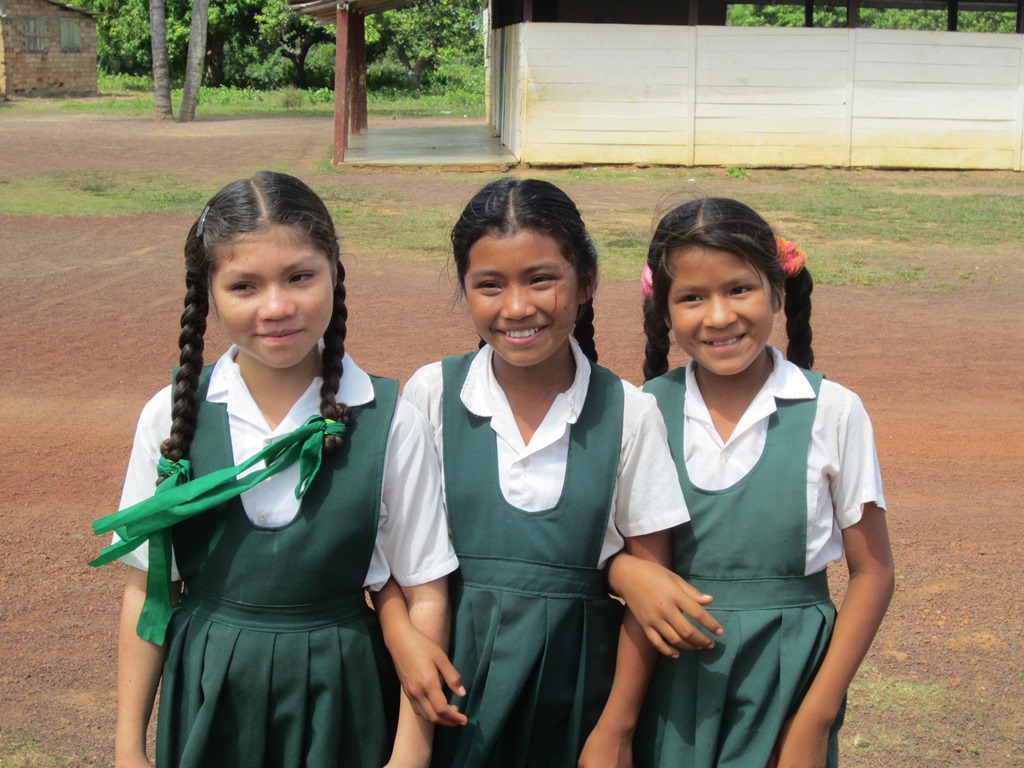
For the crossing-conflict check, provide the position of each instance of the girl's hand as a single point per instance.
(422, 667)
(607, 749)
(661, 601)
(801, 744)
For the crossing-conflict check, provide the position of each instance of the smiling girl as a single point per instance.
(551, 465)
(780, 473)
(270, 655)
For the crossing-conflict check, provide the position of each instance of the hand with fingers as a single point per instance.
(670, 610)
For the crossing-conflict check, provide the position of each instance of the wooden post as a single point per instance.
(1020, 17)
(693, 13)
(361, 121)
(341, 91)
(852, 14)
(808, 13)
(952, 12)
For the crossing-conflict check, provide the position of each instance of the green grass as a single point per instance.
(99, 193)
(26, 754)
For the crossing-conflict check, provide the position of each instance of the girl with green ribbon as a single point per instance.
(288, 482)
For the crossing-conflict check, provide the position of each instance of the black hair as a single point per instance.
(727, 225)
(510, 205)
(241, 208)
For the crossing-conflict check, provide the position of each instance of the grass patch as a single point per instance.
(26, 754)
(887, 715)
(99, 193)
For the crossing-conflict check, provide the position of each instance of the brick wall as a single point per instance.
(31, 60)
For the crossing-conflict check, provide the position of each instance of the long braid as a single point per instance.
(584, 331)
(798, 319)
(658, 344)
(184, 410)
(332, 366)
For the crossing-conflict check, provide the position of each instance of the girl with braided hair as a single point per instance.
(551, 465)
(290, 481)
(781, 476)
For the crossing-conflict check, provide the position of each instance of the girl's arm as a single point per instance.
(611, 741)
(139, 664)
(415, 623)
(804, 738)
(661, 601)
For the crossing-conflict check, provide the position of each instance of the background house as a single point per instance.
(46, 48)
(649, 82)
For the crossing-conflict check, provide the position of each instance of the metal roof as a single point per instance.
(324, 11)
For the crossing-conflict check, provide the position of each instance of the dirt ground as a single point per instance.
(90, 309)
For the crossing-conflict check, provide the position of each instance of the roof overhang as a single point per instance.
(325, 11)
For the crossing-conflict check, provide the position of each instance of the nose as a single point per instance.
(518, 302)
(276, 304)
(719, 312)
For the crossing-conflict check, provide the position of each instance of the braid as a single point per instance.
(584, 331)
(184, 410)
(658, 344)
(798, 319)
(331, 364)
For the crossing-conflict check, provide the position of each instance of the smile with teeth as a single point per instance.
(522, 334)
(723, 342)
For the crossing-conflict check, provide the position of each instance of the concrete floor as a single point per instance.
(461, 144)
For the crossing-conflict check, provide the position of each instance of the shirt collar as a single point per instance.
(483, 396)
(227, 386)
(785, 382)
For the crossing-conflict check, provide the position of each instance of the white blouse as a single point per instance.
(843, 473)
(647, 497)
(412, 534)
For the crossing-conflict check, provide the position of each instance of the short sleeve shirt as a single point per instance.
(647, 497)
(412, 534)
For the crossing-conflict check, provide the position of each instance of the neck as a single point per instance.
(728, 397)
(276, 390)
(554, 375)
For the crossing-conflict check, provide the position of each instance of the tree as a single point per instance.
(195, 66)
(161, 67)
(422, 35)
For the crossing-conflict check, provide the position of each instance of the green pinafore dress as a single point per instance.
(746, 546)
(273, 657)
(534, 633)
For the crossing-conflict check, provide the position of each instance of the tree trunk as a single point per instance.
(196, 62)
(161, 66)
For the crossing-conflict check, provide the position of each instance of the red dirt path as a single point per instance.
(90, 307)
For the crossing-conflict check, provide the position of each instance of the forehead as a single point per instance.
(276, 244)
(524, 250)
(700, 263)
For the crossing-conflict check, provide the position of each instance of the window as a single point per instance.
(35, 34)
(70, 35)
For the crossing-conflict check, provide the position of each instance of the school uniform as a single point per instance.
(272, 655)
(534, 631)
(768, 507)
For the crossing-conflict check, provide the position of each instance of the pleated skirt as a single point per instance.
(537, 661)
(725, 707)
(250, 687)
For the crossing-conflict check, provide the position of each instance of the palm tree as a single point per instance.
(161, 67)
(196, 62)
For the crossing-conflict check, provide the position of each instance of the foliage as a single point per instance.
(425, 36)
(250, 43)
(876, 18)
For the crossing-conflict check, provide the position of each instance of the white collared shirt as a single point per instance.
(412, 534)
(647, 497)
(843, 473)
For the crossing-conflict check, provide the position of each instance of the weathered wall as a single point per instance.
(50, 70)
(769, 97)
